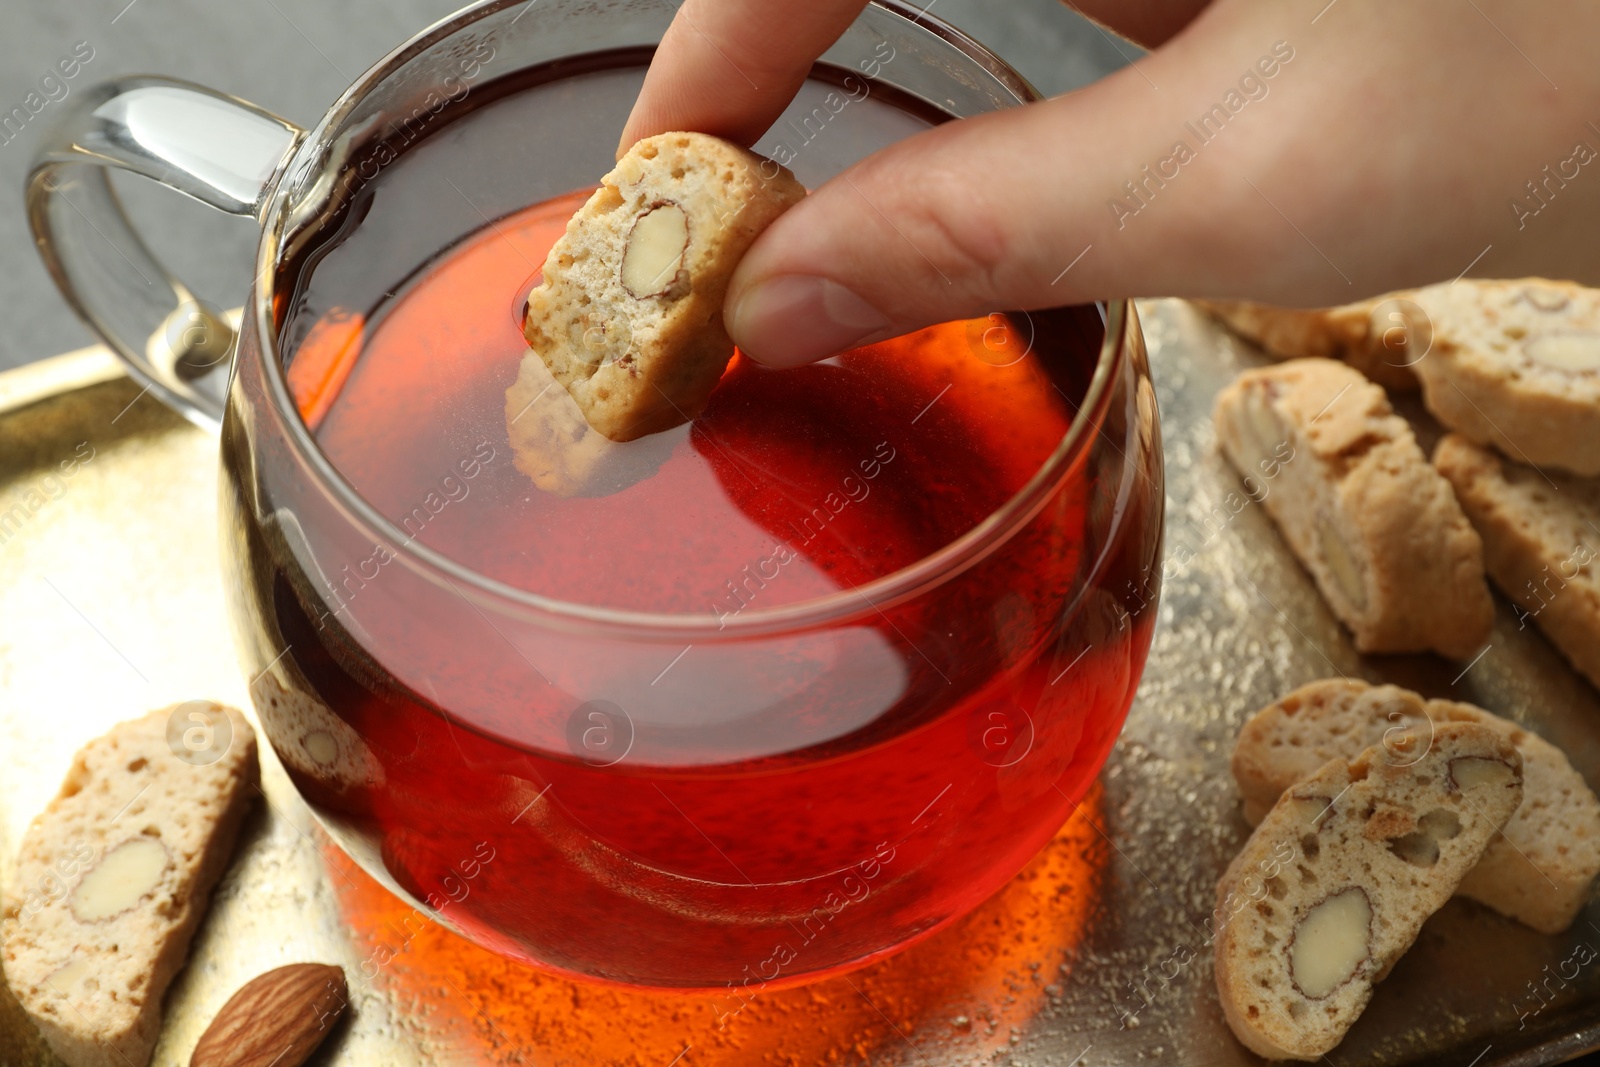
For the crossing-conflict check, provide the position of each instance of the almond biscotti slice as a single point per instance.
(1538, 871)
(1353, 495)
(320, 750)
(115, 874)
(1541, 536)
(1372, 336)
(628, 316)
(554, 445)
(1336, 882)
(1516, 365)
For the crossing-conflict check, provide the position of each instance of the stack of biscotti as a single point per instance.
(1514, 364)
(1335, 883)
(1508, 365)
(1352, 493)
(1374, 806)
(1538, 871)
(114, 877)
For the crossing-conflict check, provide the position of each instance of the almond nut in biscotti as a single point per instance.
(652, 260)
(1471, 773)
(1573, 352)
(276, 1019)
(1544, 298)
(1330, 942)
(1262, 430)
(1311, 810)
(1341, 565)
(125, 875)
(1420, 847)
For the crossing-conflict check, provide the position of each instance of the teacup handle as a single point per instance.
(215, 148)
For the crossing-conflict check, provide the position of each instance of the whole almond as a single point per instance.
(277, 1019)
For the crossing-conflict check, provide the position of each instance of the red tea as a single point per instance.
(729, 811)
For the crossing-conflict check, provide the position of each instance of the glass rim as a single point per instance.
(872, 597)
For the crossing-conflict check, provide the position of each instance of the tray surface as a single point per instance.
(110, 604)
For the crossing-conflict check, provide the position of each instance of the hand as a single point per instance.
(1390, 145)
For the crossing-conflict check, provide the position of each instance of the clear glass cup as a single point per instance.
(554, 794)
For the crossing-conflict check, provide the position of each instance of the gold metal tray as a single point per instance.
(110, 604)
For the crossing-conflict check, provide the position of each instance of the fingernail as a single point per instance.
(797, 318)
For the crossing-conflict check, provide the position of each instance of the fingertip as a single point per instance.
(793, 319)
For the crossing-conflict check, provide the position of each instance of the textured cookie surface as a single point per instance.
(312, 741)
(628, 314)
(1336, 882)
(554, 445)
(1541, 537)
(114, 878)
(1372, 336)
(1344, 479)
(1516, 365)
(1538, 871)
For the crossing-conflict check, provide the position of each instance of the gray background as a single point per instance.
(293, 57)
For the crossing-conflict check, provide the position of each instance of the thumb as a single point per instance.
(1011, 210)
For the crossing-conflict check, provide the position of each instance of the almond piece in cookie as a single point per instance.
(1541, 537)
(1538, 871)
(1336, 882)
(115, 875)
(1516, 365)
(1376, 336)
(1355, 498)
(628, 316)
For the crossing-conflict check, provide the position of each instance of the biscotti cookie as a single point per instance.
(1516, 365)
(554, 445)
(1541, 536)
(316, 746)
(1372, 336)
(1538, 871)
(1336, 882)
(1345, 481)
(628, 316)
(130, 850)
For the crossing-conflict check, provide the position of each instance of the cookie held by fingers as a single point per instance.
(628, 314)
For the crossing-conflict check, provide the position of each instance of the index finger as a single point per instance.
(730, 67)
